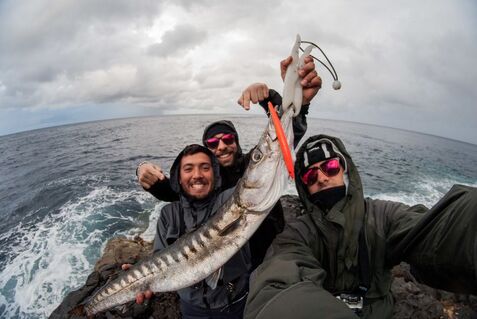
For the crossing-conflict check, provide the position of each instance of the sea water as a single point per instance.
(64, 191)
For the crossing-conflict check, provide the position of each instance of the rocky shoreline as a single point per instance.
(413, 300)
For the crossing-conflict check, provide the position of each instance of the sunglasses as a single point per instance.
(330, 168)
(213, 142)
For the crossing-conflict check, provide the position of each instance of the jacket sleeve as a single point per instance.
(162, 230)
(162, 190)
(299, 121)
(441, 244)
(289, 282)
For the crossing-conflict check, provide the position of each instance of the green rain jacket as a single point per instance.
(316, 257)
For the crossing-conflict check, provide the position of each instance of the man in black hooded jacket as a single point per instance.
(335, 260)
(195, 177)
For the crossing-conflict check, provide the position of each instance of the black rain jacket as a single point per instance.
(186, 215)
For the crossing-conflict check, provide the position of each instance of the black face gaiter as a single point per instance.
(327, 198)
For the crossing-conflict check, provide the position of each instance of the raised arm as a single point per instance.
(152, 179)
(260, 93)
(310, 81)
(256, 93)
(440, 244)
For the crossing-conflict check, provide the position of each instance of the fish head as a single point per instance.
(266, 176)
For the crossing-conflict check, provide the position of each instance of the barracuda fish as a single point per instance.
(200, 254)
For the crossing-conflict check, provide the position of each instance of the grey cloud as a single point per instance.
(45, 47)
(39, 24)
(175, 41)
(396, 62)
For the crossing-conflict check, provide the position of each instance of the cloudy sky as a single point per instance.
(407, 64)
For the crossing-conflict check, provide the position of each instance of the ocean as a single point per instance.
(64, 191)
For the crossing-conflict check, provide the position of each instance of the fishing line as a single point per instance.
(334, 74)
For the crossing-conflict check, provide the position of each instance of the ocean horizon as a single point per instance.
(225, 115)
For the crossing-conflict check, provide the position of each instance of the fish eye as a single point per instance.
(257, 155)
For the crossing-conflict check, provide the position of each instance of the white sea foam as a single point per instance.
(428, 192)
(150, 232)
(54, 256)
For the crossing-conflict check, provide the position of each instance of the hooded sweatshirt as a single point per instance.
(318, 256)
(186, 215)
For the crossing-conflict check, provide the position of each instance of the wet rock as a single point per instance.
(119, 251)
(415, 300)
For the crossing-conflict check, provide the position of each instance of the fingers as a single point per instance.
(244, 100)
(308, 59)
(148, 294)
(315, 82)
(157, 171)
(264, 92)
(142, 296)
(312, 79)
(149, 174)
(257, 95)
(309, 75)
(254, 93)
(284, 65)
(125, 266)
(258, 92)
(308, 67)
(311, 88)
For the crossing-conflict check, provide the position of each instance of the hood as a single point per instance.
(349, 212)
(231, 126)
(174, 172)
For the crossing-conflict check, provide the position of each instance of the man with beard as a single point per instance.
(196, 178)
(222, 139)
(335, 261)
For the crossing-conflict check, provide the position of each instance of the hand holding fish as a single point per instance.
(140, 296)
(310, 80)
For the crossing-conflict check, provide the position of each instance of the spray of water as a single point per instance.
(52, 257)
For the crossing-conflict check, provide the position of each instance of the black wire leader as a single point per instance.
(332, 71)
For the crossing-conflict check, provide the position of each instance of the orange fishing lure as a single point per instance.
(282, 140)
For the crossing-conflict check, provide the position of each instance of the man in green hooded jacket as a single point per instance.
(335, 261)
